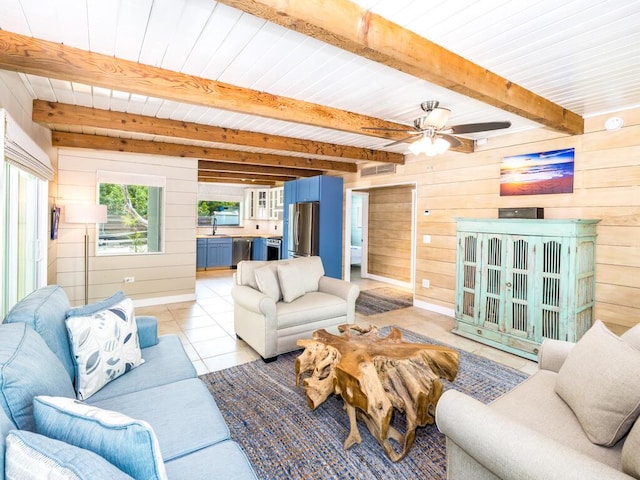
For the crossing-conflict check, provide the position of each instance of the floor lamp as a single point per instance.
(86, 213)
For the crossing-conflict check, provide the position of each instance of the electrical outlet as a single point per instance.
(129, 279)
(425, 283)
(426, 239)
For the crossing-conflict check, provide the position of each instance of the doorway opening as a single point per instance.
(380, 234)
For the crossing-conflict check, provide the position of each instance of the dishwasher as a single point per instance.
(241, 250)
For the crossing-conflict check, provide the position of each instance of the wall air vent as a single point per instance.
(382, 169)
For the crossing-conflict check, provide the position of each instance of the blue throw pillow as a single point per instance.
(129, 444)
(32, 456)
(92, 308)
(28, 368)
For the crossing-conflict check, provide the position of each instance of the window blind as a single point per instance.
(20, 150)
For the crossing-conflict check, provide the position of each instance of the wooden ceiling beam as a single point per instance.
(246, 176)
(209, 166)
(99, 142)
(74, 115)
(266, 183)
(20, 53)
(346, 25)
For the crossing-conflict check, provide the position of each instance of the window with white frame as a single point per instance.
(135, 205)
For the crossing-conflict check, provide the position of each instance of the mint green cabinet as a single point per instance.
(520, 281)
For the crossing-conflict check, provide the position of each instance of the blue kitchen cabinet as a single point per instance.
(308, 189)
(259, 249)
(213, 252)
(201, 252)
(328, 192)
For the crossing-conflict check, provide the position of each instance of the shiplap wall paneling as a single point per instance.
(389, 239)
(166, 275)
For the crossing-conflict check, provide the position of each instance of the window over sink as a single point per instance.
(225, 213)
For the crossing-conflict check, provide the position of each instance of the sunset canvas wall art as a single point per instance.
(537, 173)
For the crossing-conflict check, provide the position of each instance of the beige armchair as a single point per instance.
(532, 432)
(278, 302)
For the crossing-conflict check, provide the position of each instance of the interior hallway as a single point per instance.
(205, 325)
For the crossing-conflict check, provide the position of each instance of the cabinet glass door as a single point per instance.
(469, 274)
(261, 204)
(551, 289)
(492, 299)
(519, 288)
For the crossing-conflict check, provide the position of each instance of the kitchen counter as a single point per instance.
(241, 235)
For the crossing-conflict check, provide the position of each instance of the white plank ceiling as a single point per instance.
(583, 55)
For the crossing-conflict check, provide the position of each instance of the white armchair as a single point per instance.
(279, 302)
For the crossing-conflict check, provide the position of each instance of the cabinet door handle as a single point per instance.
(508, 284)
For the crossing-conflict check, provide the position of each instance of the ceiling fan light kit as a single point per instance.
(429, 147)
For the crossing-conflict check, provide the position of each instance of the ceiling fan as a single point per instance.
(429, 134)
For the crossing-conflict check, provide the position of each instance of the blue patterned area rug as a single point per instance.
(382, 299)
(268, 415)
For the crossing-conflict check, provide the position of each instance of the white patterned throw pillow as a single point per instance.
(105, 345)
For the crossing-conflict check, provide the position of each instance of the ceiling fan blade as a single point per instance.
(453, 141)
(477, 127)
(388, 129)
(399, 141)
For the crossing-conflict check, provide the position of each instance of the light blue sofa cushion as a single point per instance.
(147, 330)
(164, 363)
(45, 311)
(91, 308)
(129, 444)
(28, 368)
(183, 415)
(33, 456)
(6, 426)
(222, 461)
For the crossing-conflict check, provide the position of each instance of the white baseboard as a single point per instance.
(390, 281)
(449, 312)
(147, 302)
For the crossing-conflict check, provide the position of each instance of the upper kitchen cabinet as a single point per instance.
(276, 203)
(309, 189)
(264, 203)
(256, 202)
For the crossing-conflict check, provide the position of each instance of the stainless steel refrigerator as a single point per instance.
(304, 219)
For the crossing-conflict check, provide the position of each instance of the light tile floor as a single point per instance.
(205, 326)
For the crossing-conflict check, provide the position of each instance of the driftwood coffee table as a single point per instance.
(375, 375)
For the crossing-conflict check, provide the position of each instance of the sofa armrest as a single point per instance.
(510, 450)
(340, 288)
(147, 330)
(553, 353)
(253, 300)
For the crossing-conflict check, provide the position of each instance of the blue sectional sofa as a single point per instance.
(36, 359)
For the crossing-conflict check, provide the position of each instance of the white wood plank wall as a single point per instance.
(158, 277)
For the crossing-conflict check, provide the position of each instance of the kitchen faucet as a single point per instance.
(214, 224)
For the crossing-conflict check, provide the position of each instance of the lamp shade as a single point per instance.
(85, 213)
